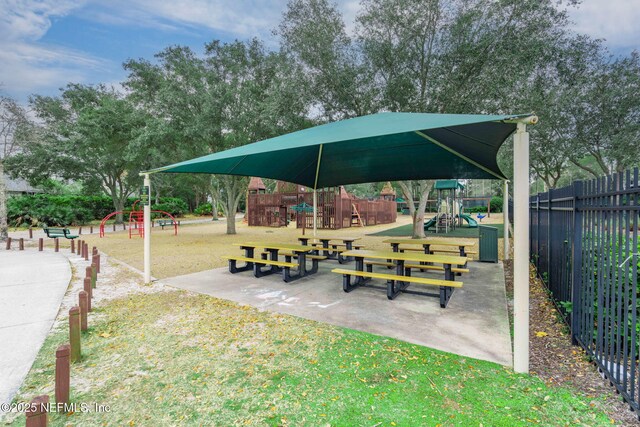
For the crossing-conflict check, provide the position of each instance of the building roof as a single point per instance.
(19, 185)
(256, 183)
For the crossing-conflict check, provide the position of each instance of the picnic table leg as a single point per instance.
(448, 275)
(462, 254)
(445, 295)
(273, 256)
(325, 246)
(360, 267)
(349, 245)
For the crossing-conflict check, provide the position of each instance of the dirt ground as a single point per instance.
(199, 247)
(556, 361)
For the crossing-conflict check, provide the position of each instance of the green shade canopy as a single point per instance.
(373, 148)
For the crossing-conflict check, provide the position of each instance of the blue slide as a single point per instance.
(472, 222)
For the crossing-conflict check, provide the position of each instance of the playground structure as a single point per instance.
(450, 208)
(136, 220)
(336, 208)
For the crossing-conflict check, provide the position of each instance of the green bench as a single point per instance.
(58, 232)
(164, 222)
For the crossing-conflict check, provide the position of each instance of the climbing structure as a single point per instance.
(136, 220)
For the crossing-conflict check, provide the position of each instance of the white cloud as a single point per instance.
(29, 65)
(616, 21)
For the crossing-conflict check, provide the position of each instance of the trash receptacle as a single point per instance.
(488, 243)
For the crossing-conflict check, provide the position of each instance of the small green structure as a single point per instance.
(450, 208)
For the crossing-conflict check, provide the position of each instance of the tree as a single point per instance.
(235, 94)
(14, 126)
(86, 135)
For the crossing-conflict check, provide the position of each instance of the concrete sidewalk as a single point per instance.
(32, 285)
(474, 324)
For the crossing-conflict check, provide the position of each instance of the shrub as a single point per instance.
(175, 206)
(203, 209)
(496, 204)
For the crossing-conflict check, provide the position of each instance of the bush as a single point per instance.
(477, 209)
(204, 209)
(175, 206)
(496, 204)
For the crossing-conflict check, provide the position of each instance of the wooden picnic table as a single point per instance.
(326, 242)
(399, 258)
(427, 243)
(293, 250)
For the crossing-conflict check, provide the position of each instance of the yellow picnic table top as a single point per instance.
(321, 238)
(407, 256)
(448, 242)
(277, 245)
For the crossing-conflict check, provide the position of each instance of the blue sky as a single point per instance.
(45, 44)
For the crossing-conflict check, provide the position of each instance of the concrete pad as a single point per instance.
(32, 285)
(474, 324)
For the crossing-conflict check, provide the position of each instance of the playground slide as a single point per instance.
(430, 223)
(472, 222)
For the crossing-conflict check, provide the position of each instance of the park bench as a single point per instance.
(397, 284)
(164, 222)
(54, 232)
(421, 267)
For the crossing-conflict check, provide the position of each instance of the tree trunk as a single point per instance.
(417, 213)
(214, 208)
(4, 228)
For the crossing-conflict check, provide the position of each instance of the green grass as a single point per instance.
(406, 230)
(173, 358)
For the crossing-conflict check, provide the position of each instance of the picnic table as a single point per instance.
(427, 243)
(326, 242)
(397, 283)
(270, 258)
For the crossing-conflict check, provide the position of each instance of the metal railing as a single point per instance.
(584, 244)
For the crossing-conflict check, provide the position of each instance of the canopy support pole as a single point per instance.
(315, 212)
(505, 214)
(521, 249)
(147, 230)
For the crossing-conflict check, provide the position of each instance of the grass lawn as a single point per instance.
(172, 358)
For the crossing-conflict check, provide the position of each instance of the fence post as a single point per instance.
(74, 334)
(30, 233)
(86, 251)
(79, 246)
(73, 246)
(83, 297)
(62, 374)
(8, 243)
(94, 275)
(37, 411)
(89, 291)
(576, 276)
(40, 244)
(56, 244)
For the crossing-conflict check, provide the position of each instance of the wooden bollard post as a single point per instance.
(74, 334)
(89, 291)
(63, 374)
(79, 230)
(56, 244)
(37, 411)
(79, 246)
(94, 275)
(91, 229)
(40, 244)
(83, 299)
(8, 243)
(98, 263)
(21, 244)
(114, 226)
(86, 251)
(30, 233)
(73, 246)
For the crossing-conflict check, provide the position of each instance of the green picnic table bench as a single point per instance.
(54, 232)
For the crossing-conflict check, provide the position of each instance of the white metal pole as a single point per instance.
(521, 250)
(315, 212)
(505, 213)
(147, 230)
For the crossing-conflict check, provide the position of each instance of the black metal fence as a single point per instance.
(584, 244)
